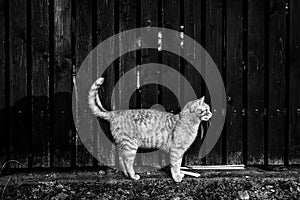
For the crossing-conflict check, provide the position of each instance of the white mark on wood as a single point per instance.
(182, 40)
(139, 42)
(159, 41)
(281, 51)
(138, 84)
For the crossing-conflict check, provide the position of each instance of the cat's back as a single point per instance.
(140, 115)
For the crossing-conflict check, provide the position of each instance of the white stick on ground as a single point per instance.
(185, 168)
(190, 173)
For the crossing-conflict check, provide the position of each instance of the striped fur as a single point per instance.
(147, 128)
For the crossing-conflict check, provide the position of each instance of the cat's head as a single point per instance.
(200, 108)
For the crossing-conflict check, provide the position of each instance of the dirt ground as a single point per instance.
(252, 183)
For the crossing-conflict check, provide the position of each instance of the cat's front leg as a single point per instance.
(175, 161)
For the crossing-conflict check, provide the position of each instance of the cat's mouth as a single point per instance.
(205, 115)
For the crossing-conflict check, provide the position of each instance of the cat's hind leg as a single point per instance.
(122, 166)
(175, 161)
(128, 157)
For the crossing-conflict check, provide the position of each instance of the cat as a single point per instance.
(147, 128)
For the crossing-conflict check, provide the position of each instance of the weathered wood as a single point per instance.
(127, 20)
(40, 87)
(149, 93)
(2, 81)
(62, 84)
(149, 19)
(193, 27)
(170, 20)
(18, 85)
(105, 29)
(294, 145)
(277, 93)
(265, 70)
(256, 70)
(213, 43)
(83, 38)
(234, 76)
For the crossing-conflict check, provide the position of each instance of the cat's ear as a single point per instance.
(201, 100)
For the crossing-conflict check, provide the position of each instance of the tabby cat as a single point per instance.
(147, 128)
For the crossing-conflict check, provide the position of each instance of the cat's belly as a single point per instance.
(155, 140)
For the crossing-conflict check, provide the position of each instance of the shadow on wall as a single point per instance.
(20, 121)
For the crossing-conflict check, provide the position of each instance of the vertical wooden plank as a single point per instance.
(18, 82)
(29, 110)
(83, 46)
(2, 80)
(62, 84)
(213, 44)
(256, 70)
(51, 81)
(170, 20)
(235, 67)
(149, 93)
(105, 29)
(40, 87)
(276, 81)
(193, 27)
(149, 14)
(294, 83)
(127, 20)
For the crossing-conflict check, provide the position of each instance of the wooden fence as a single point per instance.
(255, 44)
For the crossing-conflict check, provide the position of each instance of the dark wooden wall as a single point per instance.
(255, 44)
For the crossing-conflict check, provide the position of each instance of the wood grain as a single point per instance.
(213, 44)
(235, 67)
(40, 78)
(2, 81)
(170, 20)
(277, 45)
(127, 20)
(105, 29)
(18, 82)
(149, 93)
(193, 28)
(294, 123)
(256, 71)
(83, 38)
(62, 84)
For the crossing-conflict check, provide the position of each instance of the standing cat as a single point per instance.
(148, 128)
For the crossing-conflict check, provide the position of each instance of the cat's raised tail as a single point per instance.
(94, 100)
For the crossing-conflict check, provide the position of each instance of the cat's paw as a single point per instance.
(136, 177)
(182, 175)
(178, 178)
